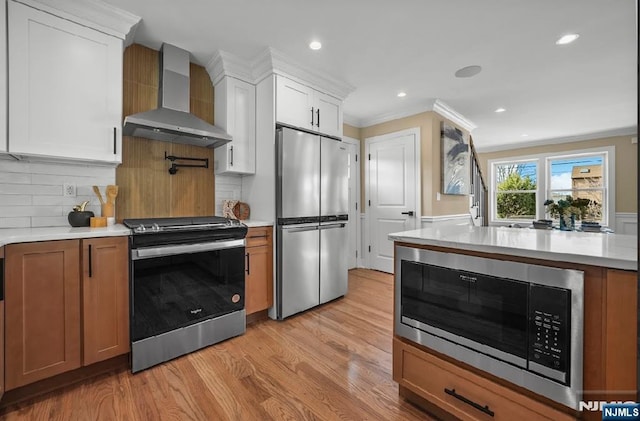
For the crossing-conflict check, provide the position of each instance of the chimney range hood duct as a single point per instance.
(172, 121)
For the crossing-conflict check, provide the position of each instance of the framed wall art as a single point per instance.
(455, 168)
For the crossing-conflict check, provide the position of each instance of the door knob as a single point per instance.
(410, 213)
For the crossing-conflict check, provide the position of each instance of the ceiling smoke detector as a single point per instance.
(468, 71)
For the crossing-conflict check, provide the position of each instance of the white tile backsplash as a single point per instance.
(31, 193)
(228, 187)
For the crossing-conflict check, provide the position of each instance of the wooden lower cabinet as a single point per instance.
(42, 299)
(105, 298)
(460, 393)
(61, 311)
(259, 269)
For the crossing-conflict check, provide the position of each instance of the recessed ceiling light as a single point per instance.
(402, 94)
(500, 110)
(315, 45)
(567, 39)
(468, 71)
(524, 135)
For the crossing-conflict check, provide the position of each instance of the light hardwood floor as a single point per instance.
(330, 363)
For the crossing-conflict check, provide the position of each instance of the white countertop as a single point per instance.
(596, 249)
(252, 223)
(25, 235)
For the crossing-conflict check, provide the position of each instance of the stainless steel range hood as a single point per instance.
(172, 121)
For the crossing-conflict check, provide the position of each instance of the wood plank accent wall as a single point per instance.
(146, 187)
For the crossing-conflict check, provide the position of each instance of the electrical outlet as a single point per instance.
(69, 190)
(437, 195)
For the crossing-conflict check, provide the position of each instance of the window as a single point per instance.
(515, 190)
(580, 177)
(520, 186)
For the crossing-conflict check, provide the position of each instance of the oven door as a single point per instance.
(179, 285)
(486, 313)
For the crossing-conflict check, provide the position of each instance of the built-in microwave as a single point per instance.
(520, 322)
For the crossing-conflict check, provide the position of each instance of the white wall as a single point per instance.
(31, 192)
(228, 187)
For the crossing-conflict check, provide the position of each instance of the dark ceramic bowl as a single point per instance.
(80, 219)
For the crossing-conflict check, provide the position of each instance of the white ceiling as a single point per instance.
(382, 47)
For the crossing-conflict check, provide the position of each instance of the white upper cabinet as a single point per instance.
(328, 114)
(304, 107)
(65, 88)
(235, 111)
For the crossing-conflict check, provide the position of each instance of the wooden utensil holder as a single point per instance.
(108, 210)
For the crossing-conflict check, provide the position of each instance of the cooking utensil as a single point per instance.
(112, 193)
(96, 190)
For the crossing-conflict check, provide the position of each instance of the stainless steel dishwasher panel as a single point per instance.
(298, 287)
(333, 261)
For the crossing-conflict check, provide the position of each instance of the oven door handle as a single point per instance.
(151, 252)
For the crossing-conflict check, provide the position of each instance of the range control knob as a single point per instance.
(141, 228)
(155, 227)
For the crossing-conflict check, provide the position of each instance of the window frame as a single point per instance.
(493, 191)
(543, 181)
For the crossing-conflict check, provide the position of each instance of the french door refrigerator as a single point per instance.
(311, 211)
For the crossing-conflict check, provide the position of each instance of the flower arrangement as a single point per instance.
(568, 208)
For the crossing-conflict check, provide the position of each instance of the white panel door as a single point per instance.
(328, 114)
(3, 76)
(353, 148)
(294, 103)
(392, 186)
(65, 88)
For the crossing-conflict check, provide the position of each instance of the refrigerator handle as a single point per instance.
(300, 229)
(324, 227)
(311, 116)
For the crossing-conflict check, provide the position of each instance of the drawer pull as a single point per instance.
(468, 401)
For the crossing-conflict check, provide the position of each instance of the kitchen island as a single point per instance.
(448, 380)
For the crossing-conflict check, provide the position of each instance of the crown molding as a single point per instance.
(434, 105)
(94, 14)
(625, 131)
(394, 115)
(226, 64)
(271, 61)
(351, 120)
(452, 115)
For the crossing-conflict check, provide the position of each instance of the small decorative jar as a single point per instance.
(80, 218)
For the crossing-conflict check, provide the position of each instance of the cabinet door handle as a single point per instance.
(311, 116)
(114, 141)
(248, 264)
(468, 401)
(318, 117)
(90, 263)
(231, 157)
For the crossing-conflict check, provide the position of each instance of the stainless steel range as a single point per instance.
(187, 285)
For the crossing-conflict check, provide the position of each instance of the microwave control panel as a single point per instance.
(549, 327)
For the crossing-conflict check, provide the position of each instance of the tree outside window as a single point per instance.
(516, 189)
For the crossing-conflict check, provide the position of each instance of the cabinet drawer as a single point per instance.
(258, 236)
(461, 393)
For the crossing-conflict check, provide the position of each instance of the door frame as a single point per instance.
(356, 220)
(415, 131)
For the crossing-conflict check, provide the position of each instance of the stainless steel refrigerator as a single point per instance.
(312, 217)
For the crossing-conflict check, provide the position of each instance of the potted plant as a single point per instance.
(567, 210)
